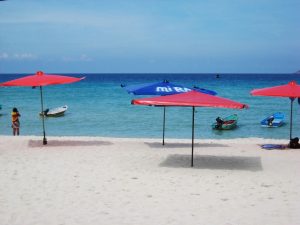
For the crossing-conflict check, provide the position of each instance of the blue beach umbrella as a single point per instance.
(162, 89)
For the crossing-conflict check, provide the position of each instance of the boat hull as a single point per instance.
(56, 112)
(277, 121)
(230, 122)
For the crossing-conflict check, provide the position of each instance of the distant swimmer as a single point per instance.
(217, 76)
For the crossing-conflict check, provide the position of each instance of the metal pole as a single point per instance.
(164, 125)
(43, 117)
(291, 117)
(193, 128)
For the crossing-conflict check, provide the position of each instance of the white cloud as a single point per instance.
(23, 56)
(17, 56)
(81, 58)
(3, 55)
(84, 57)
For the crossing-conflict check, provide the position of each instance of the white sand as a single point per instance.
(92, 181)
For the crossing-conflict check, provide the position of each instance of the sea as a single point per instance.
(99, 106)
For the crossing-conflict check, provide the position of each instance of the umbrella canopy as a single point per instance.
(162, 88)
(39, 80)
(290, 90)
(190, 99)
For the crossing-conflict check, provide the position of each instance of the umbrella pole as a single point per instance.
(291, 118)
(164, 125)
(193, 131)
(43, 117)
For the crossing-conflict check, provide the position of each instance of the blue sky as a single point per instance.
(169, 36)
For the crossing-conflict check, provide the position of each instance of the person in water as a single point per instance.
(270, 120)
(15, 121)
(219, 122)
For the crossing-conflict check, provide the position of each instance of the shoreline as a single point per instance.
(230, 140)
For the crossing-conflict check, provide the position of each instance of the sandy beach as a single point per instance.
(94, 180)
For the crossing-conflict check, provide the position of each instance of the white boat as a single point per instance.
(59, 111)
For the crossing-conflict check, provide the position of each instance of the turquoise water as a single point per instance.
(98, 106)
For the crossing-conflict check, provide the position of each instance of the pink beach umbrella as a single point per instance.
(290, 90)
(39, 80)
(190, 99)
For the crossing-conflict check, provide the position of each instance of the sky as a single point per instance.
(150, 36)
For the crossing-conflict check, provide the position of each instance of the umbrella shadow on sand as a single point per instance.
(182, 145)
(249, 163)
(66, 143)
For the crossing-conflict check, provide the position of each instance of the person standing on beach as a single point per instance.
(15, 121)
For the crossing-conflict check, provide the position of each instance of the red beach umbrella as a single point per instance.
(190, 99)
(290, 90)
(162, 89)
(39, 80)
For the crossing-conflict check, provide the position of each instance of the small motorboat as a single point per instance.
(226, 123)
(55, 112)
(275, 120)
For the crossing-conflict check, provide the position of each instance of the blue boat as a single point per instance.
(275, 120)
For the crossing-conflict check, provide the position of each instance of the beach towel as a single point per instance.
(272, 146)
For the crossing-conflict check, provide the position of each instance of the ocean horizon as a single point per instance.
(99, 106)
